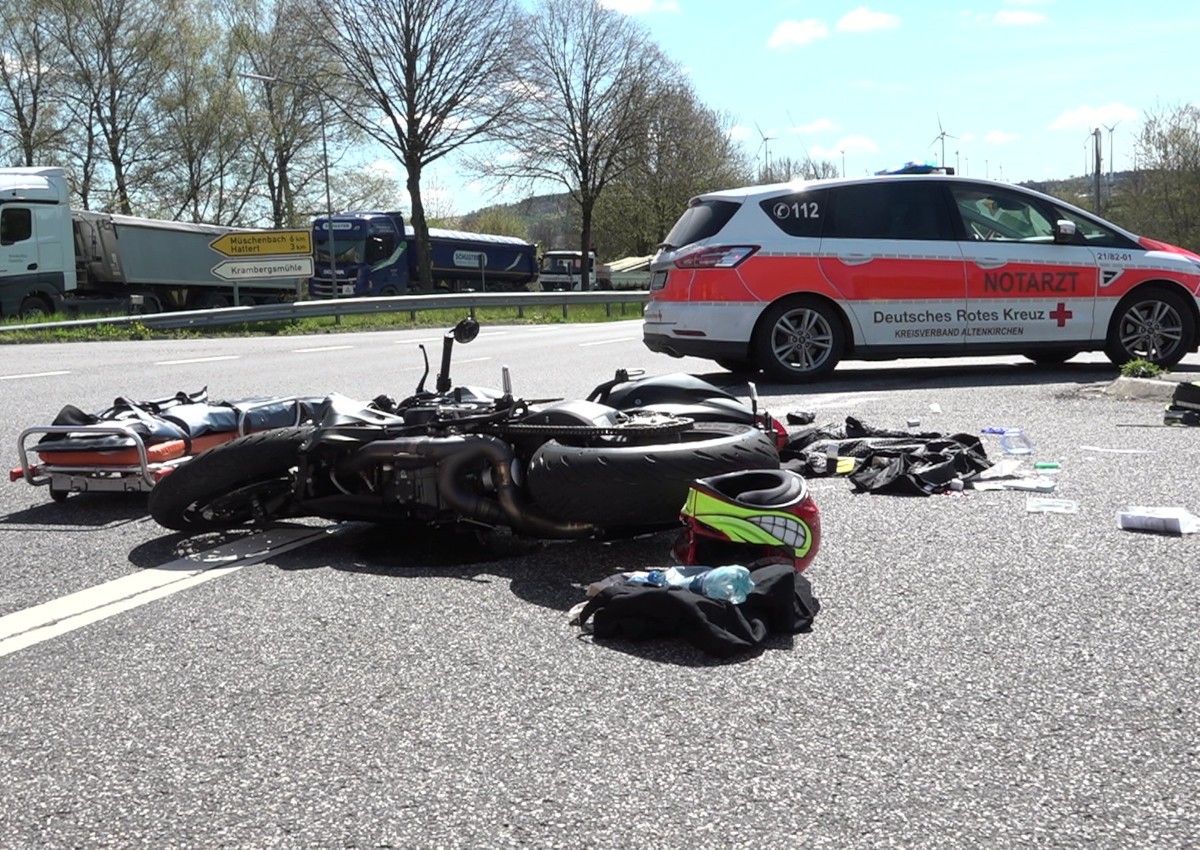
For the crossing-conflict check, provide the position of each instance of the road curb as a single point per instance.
(1153, 389)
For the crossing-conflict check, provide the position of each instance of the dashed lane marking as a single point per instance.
(32, 375)
(608, 341)
(196, 360)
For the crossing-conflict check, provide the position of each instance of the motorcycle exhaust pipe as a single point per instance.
(451, 454)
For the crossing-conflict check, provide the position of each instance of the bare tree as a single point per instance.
(114, 50)
(585, 85)
(784, 169)
(295, 106)
(432, 76)
(31, 116)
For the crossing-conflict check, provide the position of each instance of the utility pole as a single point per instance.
(1096, 144)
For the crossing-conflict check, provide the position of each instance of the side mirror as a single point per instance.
(465, 331)
(1064, 232)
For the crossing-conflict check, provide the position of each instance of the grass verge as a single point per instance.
(400, 320)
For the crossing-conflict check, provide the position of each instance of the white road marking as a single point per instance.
(819, 402)
(440, 338)
(23, 629)
(321, 348)
(608, 341)
(196, 360)
(31, 375)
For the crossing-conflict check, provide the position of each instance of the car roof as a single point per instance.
(771, 190)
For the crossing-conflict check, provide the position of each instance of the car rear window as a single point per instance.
(798, 214)
(701, 220)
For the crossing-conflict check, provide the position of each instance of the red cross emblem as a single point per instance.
(1061, 314)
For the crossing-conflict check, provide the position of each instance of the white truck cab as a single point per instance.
(35, 225)
(563, 270)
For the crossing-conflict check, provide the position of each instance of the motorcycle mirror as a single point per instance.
(465, 331)
(421, 383)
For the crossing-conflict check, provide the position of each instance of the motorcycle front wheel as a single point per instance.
(242, 482)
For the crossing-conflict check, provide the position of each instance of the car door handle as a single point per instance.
(990, 262)
(31, 267)
(855, 259)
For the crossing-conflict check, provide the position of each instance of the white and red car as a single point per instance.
(792, 278)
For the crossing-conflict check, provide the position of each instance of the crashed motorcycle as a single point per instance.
(616, 462)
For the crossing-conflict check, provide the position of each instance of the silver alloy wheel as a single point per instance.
(1151, 330)
(802, 339)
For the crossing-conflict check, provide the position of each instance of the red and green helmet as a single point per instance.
(750, 517)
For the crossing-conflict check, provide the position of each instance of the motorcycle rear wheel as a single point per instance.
(230, 485)
(641, 486)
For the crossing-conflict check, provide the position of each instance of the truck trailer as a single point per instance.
(55, 259)
(374, 255)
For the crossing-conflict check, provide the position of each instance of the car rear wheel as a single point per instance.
(799, 340)
(1152, 324)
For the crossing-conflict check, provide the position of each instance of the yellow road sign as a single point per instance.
(263, 243)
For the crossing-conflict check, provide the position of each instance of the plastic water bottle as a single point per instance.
(1014, 442)
(731, 582)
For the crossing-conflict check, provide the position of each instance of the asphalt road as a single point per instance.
(978, 676)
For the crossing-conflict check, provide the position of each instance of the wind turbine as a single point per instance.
(765, 150)
(1110, 152)
(941, 137)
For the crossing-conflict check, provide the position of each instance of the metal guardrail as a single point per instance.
(468, 301)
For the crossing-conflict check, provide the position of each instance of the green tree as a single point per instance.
(500, 221)
(429, 76)
(686, 150)
(116, 57)
(1162, 197)
(585, 84)
(32, 118)
(203, 164)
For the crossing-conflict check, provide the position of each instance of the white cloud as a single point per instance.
(1018, 18)
(821, 125)
(740, 133)
(845, 145)
(1091, 117)
(863, 19)
(793, 33)
(998, 138)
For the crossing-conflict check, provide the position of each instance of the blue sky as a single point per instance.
(1017, 85)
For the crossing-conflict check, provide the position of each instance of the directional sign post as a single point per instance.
(263, 243)
(266, 254)
(271, 268)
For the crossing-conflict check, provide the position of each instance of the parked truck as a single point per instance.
(374, 255)
(563, 271)
(55, 259)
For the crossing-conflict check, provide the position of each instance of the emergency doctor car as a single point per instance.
(792, 278)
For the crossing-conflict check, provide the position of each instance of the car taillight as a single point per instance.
(719, 257)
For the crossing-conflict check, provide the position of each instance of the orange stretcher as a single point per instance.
(129, 447)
